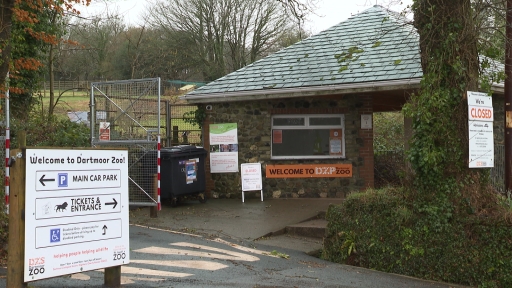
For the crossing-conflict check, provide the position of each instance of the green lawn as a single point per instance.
(68, 101)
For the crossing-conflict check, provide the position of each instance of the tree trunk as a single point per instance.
(449, 58)
(51, 104)
(441, 22)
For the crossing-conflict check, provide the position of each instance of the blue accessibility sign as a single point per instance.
(54, 235)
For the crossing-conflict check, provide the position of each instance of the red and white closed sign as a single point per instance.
(480, 113)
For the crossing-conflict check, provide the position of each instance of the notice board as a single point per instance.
(251, 176)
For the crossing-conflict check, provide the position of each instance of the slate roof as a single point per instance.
(386, 51)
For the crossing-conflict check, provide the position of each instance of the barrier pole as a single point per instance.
(7, 144)
(159, 205)
(153, 210)
(7, 170)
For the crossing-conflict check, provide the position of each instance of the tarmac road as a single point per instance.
(161, 258)
(213, 245)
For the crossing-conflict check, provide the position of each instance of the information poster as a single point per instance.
(481, 145)
(105, 131)
(223, 148)
(251, 176)
(335, 142)
(76, 211)
(277, 136)
(481, 132)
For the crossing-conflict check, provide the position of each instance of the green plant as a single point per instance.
(388, 133)
(195, 117)
(279, 254)
(351, 55)
(4, 233)
(505, 201)
(349, 245)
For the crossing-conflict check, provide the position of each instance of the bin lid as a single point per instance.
(182, 149)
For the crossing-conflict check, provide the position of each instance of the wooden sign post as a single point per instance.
(16, 251)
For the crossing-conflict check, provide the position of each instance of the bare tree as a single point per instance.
(134, 38)
(299, 9)
(98, 42)
(226, 34)
(254, 28)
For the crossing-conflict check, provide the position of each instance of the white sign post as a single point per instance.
(76, 211)
(251, 178)
(481, 132)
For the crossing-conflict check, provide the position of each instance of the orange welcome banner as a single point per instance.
(309, 171)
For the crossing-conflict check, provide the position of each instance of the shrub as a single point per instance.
(55, 132)
(379, 229)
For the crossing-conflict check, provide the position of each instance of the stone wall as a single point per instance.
(254, 138)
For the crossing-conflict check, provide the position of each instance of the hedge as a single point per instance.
(378, 229)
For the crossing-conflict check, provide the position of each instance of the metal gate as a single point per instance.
(127, 114)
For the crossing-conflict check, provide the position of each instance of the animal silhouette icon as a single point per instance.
(61, 207)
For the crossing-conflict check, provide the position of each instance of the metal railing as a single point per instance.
(498, 171)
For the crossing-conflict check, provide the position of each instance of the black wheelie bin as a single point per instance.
(182, 172)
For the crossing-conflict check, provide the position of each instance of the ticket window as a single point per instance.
(319, 136)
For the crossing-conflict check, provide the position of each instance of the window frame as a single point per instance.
(307, 126)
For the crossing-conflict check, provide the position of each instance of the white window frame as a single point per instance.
(307, 126)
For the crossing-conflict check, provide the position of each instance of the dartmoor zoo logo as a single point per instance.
(36, 266)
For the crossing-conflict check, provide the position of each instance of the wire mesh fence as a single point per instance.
(132, 110)
(142, 169)
(131, 114)
(182, 128)
(127, 114)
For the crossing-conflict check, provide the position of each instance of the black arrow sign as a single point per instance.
(104, 229)
(42, 180)
(112, 203)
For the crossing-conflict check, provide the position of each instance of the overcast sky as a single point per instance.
(329, 12)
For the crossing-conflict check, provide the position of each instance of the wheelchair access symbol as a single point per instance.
(54, 235)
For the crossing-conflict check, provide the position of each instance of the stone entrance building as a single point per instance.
(310, 106)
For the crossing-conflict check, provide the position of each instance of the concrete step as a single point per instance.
(314, 228)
